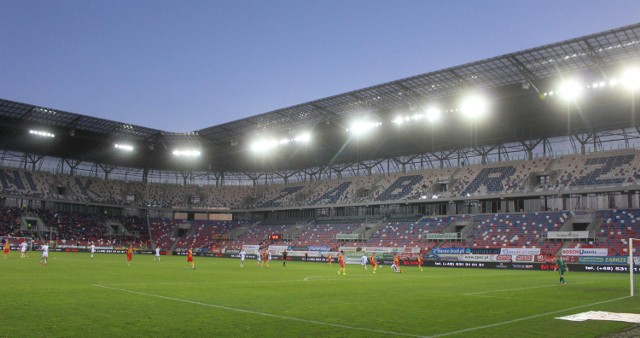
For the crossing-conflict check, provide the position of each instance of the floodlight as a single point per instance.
(362, 127)
(433, 114)
(124, 147)
(303, 138)
(631, 79)
(41, 133)
(474, 107)
(263, 145)
(186, 153)
(570, 90)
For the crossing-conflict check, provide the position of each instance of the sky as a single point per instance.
(181, 66)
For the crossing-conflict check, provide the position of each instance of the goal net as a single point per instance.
(15, 243)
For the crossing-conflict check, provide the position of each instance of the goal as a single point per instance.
(14, 242)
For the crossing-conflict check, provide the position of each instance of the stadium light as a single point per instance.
(124, 147)
(474, 107)
(41, 133)
(190, 153)
(570, 90)
(359, 128)
(433, 114)
(631, 79)
(303, 138)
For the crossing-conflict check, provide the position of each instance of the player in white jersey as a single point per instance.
(45, 254)
(23, 249)
(363, 261)
(93, 249)
(259, 257)
(242, 255)
(269, 258)
(157, 256)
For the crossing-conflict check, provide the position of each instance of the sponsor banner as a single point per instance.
(450, 235)
(567, 234)
(320, 248)
(522, 258)
(451, 251)
(251, 248)
(585, 252)
(277, 249)
(613, 260)
(477, 258)
(503, 258)
(488, 251)
(380, 249)
(519, 251)
(299, 248)
(231, 251)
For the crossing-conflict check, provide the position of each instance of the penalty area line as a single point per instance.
(518, 289)
(258, 313)
(527, 318)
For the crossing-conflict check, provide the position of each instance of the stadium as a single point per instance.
(488, 171)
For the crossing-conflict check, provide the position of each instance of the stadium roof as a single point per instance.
(514, 83)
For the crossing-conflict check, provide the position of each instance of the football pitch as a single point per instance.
(76, 296)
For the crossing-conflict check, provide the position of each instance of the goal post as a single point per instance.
(631, 262)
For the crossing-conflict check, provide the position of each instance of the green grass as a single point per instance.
(100, 297)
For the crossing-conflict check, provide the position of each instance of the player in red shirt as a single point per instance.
(373, 262)
(6, 248)
(265, 258)
(420, 262)
(129, 254)
(342, 266)
(190, 259)
(396, 264)
(329, 259)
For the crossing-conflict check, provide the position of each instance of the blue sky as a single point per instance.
(185, 65)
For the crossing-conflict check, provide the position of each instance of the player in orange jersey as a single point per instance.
(5, 248)
(420, 262)
(190, 259)
(373, 262)
(329, 259)
(129, 254)
(265, 258)
(342, 265)
(396, 264)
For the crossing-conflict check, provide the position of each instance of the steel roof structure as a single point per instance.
(516, 84)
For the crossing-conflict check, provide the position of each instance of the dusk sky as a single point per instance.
(181, 66)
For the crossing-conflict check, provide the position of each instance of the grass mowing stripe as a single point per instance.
(259, 313)
(526, 318)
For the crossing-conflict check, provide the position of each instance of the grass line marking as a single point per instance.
(527, 318)
(258, 313)
(518, 289)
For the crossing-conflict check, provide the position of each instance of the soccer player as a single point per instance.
(93, 249)
(373, 262)
(329, 259)
(420, 262)
(242, 255)
(268, 258)
(562, 267)
(23, 249)
(259, 258)
(342, 265)
(190, 259)
(265, 259)
(284, 258)
(396, 264)
(129, 252)
(363, 261)
(6, 248)
(45, 254)
(157, 256)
